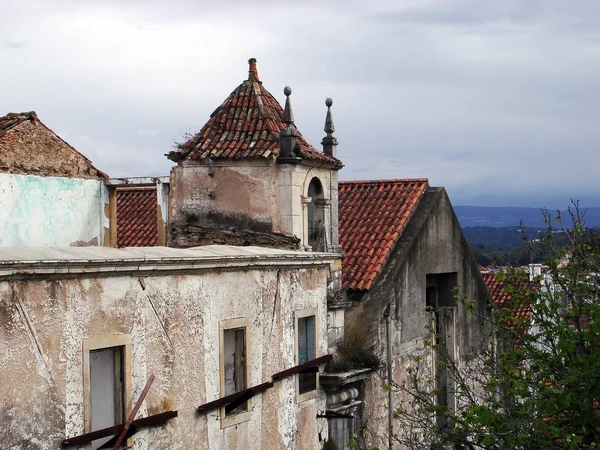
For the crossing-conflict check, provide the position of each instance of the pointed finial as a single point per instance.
(287, 136)
(252, 70)
(329, 142)
(288, 115)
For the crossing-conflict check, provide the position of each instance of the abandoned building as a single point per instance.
(225, 282)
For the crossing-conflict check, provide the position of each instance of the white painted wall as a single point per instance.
(173, 321)
(51, 211)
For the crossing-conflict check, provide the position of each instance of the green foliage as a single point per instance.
(354, 352)
(537, 386)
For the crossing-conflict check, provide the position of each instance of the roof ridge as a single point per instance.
(390, 180)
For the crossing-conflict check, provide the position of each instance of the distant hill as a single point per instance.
(510, 216)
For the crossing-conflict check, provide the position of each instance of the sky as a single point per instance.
(499, 102)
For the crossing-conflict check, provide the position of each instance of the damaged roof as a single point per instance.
(29, 147)
(246, 126)
(372, 216)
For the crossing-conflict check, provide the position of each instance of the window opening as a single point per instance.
(306, 351)
(316, 216)
(234, 367)
(107, 389)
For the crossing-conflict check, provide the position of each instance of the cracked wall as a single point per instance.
(173, 321)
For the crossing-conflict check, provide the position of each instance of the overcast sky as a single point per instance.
(498, 101)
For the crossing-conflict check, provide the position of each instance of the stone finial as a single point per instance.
(252, 70)
(287, 136)
(329, 142)
(288, 115)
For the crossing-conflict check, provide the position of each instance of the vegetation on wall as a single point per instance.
(537, 386)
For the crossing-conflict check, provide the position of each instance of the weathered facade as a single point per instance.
(168, 313)
(417, 257)
(250, 169)
(50, 193)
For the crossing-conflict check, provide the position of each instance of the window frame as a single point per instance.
(105, 343)
(301, 314)
(224, 325)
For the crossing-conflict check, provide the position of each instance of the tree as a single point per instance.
(537, 386)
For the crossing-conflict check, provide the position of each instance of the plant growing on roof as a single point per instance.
(538, 384)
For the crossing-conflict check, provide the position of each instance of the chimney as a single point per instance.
(252, 70)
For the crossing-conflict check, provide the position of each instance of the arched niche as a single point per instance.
(315, 224)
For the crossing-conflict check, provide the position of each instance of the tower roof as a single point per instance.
(246, 126)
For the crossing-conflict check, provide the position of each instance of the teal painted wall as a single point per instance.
(51, 211)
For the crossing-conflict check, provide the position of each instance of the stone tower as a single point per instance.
(249, 177)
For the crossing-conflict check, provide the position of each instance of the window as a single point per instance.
(106, 383)
(306, 351)
(440, 298)
(315, 215)
(234, 368)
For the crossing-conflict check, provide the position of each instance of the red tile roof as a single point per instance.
(502, 298)
(246, 125)
(372, 215)
(137, 217)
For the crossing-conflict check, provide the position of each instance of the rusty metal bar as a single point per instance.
(334, 415)
(134, 411)
(150, 421)
(301, 367)
(224, 401)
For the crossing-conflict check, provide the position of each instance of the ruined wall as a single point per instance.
(30, 148)
(174, 328)
(41, 211)
(432, 243)
(240, 195)
(257, 196)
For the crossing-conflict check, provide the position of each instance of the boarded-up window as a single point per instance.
(234, 363)
(107, 389)
(306, 351)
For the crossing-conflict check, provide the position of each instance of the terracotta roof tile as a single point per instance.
(246, 125)
(502, 298)
(372, 215)
(137, 217)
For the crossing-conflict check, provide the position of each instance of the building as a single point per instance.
(223, 329)
(406, 259)
(234, 335)
(250, 213)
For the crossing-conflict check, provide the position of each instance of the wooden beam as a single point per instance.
(133, 413)
(150, 421)
(301, 367)
(224, 401)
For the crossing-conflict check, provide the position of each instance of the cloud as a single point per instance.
(496, 101)
(150, 133)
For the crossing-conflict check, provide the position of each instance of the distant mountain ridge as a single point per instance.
(510, 216)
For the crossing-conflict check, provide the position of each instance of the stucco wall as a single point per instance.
(41, 211)
(174, 328)
(432, 243)
(254, 195)
(239, 194)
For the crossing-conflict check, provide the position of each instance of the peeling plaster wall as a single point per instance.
(256, 195)
(174, 328)
(236, 194)
(43, 211)
(432, 243)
